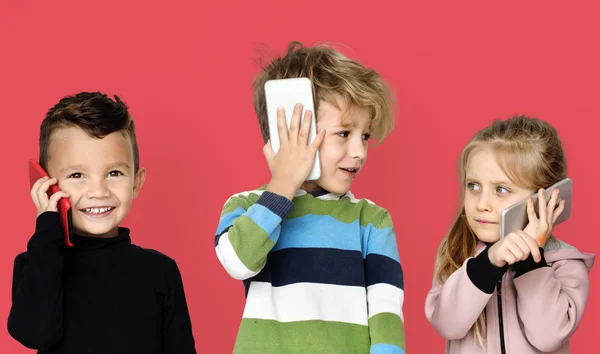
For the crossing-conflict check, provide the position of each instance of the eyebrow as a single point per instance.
(351, 125)
(81, 167)
(70, 168)
(119, 164)
(500, 182)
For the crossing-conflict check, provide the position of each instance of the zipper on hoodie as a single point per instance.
(500, 320)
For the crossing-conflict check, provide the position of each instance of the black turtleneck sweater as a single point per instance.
(102, 296)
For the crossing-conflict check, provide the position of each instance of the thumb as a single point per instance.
(268, 151)
(316, 144)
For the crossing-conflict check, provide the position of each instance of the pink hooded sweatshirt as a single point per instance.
(530, 307)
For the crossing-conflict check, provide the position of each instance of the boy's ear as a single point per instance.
(138, 181)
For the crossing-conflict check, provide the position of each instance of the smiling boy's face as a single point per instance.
(99, 176)
(343, 152)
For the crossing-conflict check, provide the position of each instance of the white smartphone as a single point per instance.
(287, 93)
(515, 217)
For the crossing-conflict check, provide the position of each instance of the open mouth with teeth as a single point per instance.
(351, 172)
(97, 211)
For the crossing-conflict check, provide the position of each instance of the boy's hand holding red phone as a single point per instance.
(39, 195)
(48, 197)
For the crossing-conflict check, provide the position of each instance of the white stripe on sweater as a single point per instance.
(301, 192)
(384, 297)
(230, 260)
(307, 301)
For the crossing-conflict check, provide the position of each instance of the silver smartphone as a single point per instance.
(515, 217)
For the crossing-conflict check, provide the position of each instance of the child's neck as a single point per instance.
(310, 186)
(111, 234)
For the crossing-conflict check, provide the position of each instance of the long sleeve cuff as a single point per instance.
(278, 204)
(529, 264)
(483, 273)
(48, 231)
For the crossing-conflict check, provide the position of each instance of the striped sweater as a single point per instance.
(322, 273)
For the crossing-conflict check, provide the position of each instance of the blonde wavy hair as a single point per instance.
(333, 77)
(530, 153)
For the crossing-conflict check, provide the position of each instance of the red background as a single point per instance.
(185, 69)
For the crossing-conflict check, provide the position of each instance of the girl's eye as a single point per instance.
(502, 190)
(367, 136)
(472, 186)
(75, 175)
(343, 134)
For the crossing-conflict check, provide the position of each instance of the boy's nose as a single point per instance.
(98, 189)
(358, 150)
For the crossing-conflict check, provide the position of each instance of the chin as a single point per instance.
(333, 186)
(487, 237)
(340, 190)
(336, 188)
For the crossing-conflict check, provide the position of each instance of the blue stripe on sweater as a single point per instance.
(381, 241)
(265, 219)
(324, 231)
(261, 215)
(227, 219)
(383, 348)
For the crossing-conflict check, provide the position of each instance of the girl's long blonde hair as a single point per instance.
(531, 155)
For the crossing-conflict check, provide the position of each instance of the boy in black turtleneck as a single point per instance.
(104, 295)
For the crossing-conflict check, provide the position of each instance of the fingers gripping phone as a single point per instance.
(64, 205)
(287, 93)
(515, 216)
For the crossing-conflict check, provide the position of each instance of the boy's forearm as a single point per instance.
(385, 288)
(282, 188)
(177, 332)
(385, 297)
(245, 238)
(387, 334)
(36, 313)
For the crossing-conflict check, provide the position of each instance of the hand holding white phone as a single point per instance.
(287, 93)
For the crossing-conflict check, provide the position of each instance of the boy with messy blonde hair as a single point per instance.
(320, 267)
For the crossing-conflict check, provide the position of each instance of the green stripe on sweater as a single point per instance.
(343, 210)
(315, 337)
(253, 245)
(387, 328)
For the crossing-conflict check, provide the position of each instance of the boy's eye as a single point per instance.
(343, 134)
(115, 173)
(75, 175)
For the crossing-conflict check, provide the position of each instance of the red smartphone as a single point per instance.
(64, 205)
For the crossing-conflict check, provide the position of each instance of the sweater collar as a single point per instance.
(324, 194)
(85, 243)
